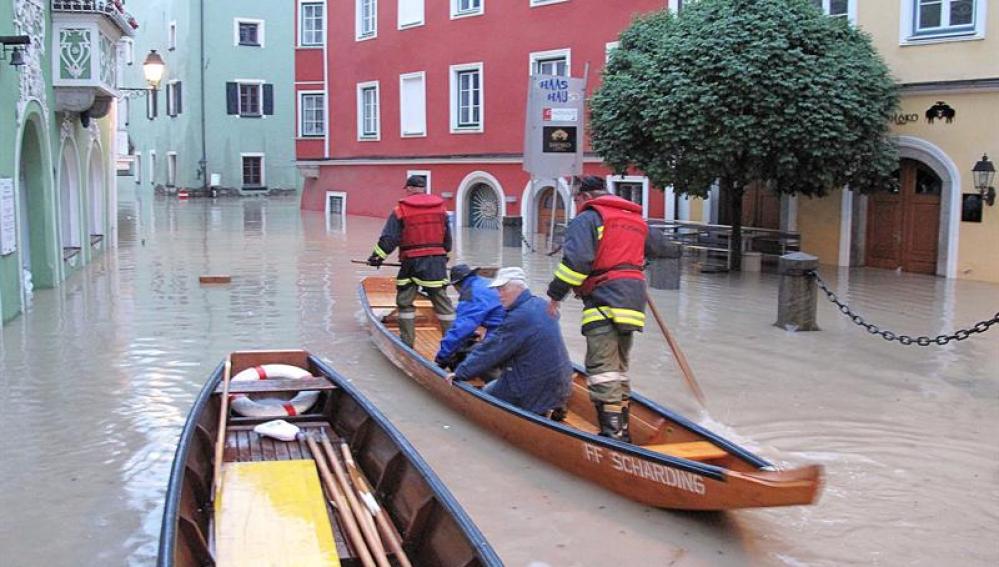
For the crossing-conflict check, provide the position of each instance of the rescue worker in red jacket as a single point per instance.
(418, 226)
(603, 259)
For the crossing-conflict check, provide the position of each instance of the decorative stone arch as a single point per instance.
(97, 190)
(35, 210)
(529, 201)
(67, 182)
(471, 180)
(910, 147)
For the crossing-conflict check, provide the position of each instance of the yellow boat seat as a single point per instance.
(693, 450)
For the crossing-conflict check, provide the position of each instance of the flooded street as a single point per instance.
(97, 379)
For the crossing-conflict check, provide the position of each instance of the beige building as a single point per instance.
(945, 56)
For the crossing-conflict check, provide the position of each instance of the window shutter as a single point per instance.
(178, 107)
(171, 92)
(232, 98)
(268, 99)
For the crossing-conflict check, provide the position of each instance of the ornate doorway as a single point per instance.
(546, 208)
(903, 226)
(483, 207)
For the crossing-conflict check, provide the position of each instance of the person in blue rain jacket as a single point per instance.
(478, 306)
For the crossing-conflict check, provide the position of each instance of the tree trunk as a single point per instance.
(735, 192)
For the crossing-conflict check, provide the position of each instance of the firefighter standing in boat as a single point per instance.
(418, 226)
(602, 261)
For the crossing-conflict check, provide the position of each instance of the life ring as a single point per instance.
(246, 406)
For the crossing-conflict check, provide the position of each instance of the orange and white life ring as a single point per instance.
(244, 405)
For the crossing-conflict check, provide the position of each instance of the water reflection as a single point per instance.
(97, 379)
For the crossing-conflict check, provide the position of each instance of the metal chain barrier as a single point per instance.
(873, 329)
(529, 247)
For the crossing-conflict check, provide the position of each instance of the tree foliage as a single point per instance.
(737, 91)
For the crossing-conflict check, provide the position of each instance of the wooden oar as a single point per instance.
(389, 264)
(681, 360)
(220, 438)
(360, 512)
(362, 486)
(342, 506)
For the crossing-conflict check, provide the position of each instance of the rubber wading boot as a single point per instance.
(625, 429)
(612, 422)
(407, 331)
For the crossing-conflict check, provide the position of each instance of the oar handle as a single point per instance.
(681, 360)
(389, 264)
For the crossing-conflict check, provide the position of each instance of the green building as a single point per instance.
(58, 89)
(223, 117)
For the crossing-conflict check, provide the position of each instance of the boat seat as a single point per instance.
(693, 450)
(270, 511)
(273, 385)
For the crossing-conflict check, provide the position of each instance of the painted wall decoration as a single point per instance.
(940, 110)
(29, 19)
(74, 53)
(8, 233)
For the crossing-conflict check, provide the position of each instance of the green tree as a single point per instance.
(743, 91)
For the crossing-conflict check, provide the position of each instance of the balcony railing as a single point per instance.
(114, 10)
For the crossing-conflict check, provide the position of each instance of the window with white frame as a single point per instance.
(410, 13)
(633, 188)
(250, 99)
(172, 36)
(413, 104)
(310, 27)
(248, 32)
(943, 16)
(534, 3)
(171, 169)
(367, 18)
(128, 48)
(336, 204)
(554, 62)
(462, 8)
(311, 117)
(609, 49)
(466, 98)
(837, 8)
(368, 127)
(253, 170)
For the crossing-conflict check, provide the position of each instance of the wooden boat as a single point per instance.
(673, 463)
(263, 479)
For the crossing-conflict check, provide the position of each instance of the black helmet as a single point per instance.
(461, 271)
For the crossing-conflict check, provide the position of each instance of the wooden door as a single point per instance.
(760, 207)
(545, 210)
(903, 226)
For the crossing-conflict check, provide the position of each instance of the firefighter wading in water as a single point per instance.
(602, 261)
(418, 226)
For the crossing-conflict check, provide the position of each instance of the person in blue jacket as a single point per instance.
(527, 347)
(478, 306)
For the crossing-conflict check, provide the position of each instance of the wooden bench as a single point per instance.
(273, 385)
(693, 450)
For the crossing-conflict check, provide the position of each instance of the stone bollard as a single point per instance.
(663, 270)
(512, 236)
(796, 300)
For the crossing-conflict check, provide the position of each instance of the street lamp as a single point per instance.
(153, 68)
(984, 173)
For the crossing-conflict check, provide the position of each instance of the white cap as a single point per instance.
(506, 275)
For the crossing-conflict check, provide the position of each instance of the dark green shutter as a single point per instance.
(268, 99)
(232, 98)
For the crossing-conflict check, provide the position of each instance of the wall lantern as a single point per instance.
(153, 68)
(984, 174)
(17, 50)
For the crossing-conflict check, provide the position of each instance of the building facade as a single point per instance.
(57, 140)
(945, 56)
(223, 115)
(382, 92)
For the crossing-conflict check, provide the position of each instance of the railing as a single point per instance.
(113, 9)
(712, 240)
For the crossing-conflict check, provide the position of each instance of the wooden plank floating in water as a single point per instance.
(216, 279)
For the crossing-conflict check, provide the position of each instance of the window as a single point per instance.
(634, 188)
(555, 62)
(248, 32)
(463, 8)
(838, 8)
(410, 13)
(311, 25)
(609, 49)
(367, 111)
(172, 36)
(545, 2)
(336, 204)
(945, 20)
(311, 116)
(171, 180)
(413, 104)
(174, 100)
(253, 171)
(466, 98)
(425, 174)
(249, 98)
(367, 19)
(128, 48)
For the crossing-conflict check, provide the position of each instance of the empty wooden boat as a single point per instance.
(672, 463)
(271, 502)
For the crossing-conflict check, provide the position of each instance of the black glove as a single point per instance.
(444, 363)
(375, 260)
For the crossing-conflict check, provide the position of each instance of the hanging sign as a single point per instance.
(553, 130)
(8, 232)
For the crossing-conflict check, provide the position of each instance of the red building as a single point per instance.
(392, 88)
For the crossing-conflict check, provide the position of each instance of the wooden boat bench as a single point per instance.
(693, 450)
(277, 385)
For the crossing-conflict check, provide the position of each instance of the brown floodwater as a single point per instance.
(97, 378)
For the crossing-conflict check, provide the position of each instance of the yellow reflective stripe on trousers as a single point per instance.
(381, 253)
(618, 315)
(402, 282)
(569, 276)
(430, 283)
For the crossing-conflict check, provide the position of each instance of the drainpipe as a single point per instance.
(204, 151)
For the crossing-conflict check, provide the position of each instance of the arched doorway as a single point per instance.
(483, 207)
(69, 196)
(36, 230)
(903, 226)
(549, 208)
(96, 196)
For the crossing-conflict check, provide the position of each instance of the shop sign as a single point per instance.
(8, 234)
(553, 132)
(939, 112)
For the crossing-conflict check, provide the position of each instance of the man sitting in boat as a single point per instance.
(536, 373)
(478, 306)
